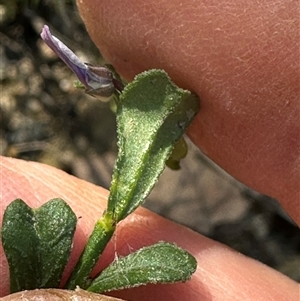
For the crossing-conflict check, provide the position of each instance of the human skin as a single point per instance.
(222, 273)
(240, 57)
(242, 60)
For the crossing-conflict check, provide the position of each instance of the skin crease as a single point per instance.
(242, 60)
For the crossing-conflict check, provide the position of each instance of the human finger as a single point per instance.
(240, 57)
(222, 273)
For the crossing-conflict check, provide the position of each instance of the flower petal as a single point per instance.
(98, 80)
(66, 55)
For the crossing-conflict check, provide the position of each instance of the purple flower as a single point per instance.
(97, 80)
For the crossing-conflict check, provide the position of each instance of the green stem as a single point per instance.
(102, 233)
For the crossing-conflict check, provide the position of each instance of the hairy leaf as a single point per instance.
(159, 263)
(37, 243)
(153, 113)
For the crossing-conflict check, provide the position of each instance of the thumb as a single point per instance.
(240, 57)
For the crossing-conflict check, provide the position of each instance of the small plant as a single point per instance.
(152, 115)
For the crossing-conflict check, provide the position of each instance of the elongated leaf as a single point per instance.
(153, 113)
(37, 243)
(159, 263)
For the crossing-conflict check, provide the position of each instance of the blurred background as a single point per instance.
(44, 118)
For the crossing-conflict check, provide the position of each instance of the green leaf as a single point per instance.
(153, 113)
(159, 263)
(37, 243)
